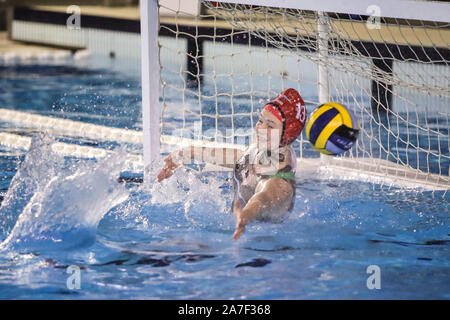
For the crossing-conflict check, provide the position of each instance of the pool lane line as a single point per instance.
(71, 128)
(134, 162)
(379, 171)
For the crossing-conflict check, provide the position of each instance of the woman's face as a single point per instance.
(268, 131)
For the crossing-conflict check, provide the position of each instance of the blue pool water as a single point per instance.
(134, 241)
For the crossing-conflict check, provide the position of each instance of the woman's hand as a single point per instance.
(240, 222)
(167, 170)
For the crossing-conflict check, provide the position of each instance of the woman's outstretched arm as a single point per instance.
(225, 157)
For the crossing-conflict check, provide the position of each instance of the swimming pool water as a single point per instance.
(135, 241)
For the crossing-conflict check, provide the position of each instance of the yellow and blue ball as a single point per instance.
(332, 129)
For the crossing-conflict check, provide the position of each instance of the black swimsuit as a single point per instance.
(245, 177)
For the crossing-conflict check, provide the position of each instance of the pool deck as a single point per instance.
(402, 35)
(131, 13)
(14, 46)
(406, 34)
(7, 45)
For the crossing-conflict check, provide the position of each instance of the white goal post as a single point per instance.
(395, 77)
(150, 80)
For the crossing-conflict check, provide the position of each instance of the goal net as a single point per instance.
(221, 62)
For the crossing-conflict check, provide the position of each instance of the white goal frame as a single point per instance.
(151, 110)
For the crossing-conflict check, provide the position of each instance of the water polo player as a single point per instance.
(264, 174)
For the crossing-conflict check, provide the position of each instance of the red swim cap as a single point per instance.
(290, 109)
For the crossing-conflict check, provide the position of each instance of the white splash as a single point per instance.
(62, 206)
